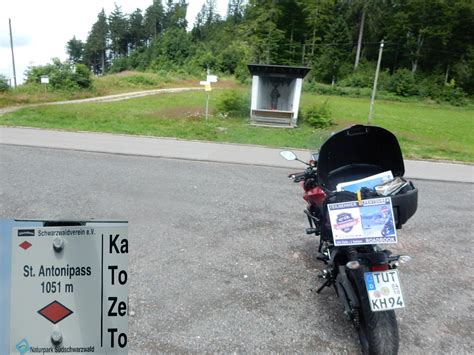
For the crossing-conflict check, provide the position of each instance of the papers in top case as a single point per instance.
(368, 182)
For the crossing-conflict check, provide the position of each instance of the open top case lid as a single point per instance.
(358, 152)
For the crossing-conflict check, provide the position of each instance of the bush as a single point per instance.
(3, 83)
(233, 103)
(317, 116)
(398, 87)
(463, 71)
(62, 75)
(325, 89)
(357, 80)
(403, 83)
(82, 76)
(453, 94)
(364, 77)
(234, 57)
(242, 73)
(119, 64)
(433, 86)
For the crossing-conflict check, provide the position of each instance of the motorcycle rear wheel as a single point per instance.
(378, 331)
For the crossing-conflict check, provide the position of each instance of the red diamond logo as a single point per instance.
(25, 245)
(55, 312)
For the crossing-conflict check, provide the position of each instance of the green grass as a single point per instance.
(425, 131)
(104, 85)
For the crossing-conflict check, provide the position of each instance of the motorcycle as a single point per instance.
(354, 221)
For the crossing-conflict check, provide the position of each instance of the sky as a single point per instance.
(42, 28)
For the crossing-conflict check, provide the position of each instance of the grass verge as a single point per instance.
(123, 82)
(425, 131)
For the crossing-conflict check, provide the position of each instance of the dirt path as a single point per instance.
(108, 98)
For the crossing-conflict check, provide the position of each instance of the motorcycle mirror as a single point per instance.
(288, 155)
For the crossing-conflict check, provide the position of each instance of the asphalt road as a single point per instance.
(219, 261)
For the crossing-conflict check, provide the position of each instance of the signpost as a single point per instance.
(207, 87)
(69, 289)
(211, 79)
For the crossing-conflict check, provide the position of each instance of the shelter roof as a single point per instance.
(278, 70)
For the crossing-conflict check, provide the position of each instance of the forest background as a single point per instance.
(427, 70)
(428, 45)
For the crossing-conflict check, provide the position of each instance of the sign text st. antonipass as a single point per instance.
(69, 289)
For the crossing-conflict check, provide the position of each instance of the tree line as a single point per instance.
(339, 39)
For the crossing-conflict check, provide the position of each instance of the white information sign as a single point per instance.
(44, 79)
(69, 290)
(212, 78)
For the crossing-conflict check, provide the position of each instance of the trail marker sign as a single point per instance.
(69, 289)
(211, 78)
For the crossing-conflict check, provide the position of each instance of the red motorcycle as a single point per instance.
(356, 200)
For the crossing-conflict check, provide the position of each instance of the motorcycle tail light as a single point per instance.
(315, 195)
(379, 267)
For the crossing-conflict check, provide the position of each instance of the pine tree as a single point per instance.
(119, 33)
(336, 52)
(175, 14)
(75, 50)
(137, 34)
(96, 45)
(264, 35)
(154, 20)
(235, 12)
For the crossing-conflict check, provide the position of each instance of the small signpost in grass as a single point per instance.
(45, 81)
(207, 87)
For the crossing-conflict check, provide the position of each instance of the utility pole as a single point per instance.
(13, 56)
(375, 83)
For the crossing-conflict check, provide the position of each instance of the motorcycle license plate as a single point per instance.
(383, 288)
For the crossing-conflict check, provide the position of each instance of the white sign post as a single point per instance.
(207, 87)
(69, 289)
(211, 79)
